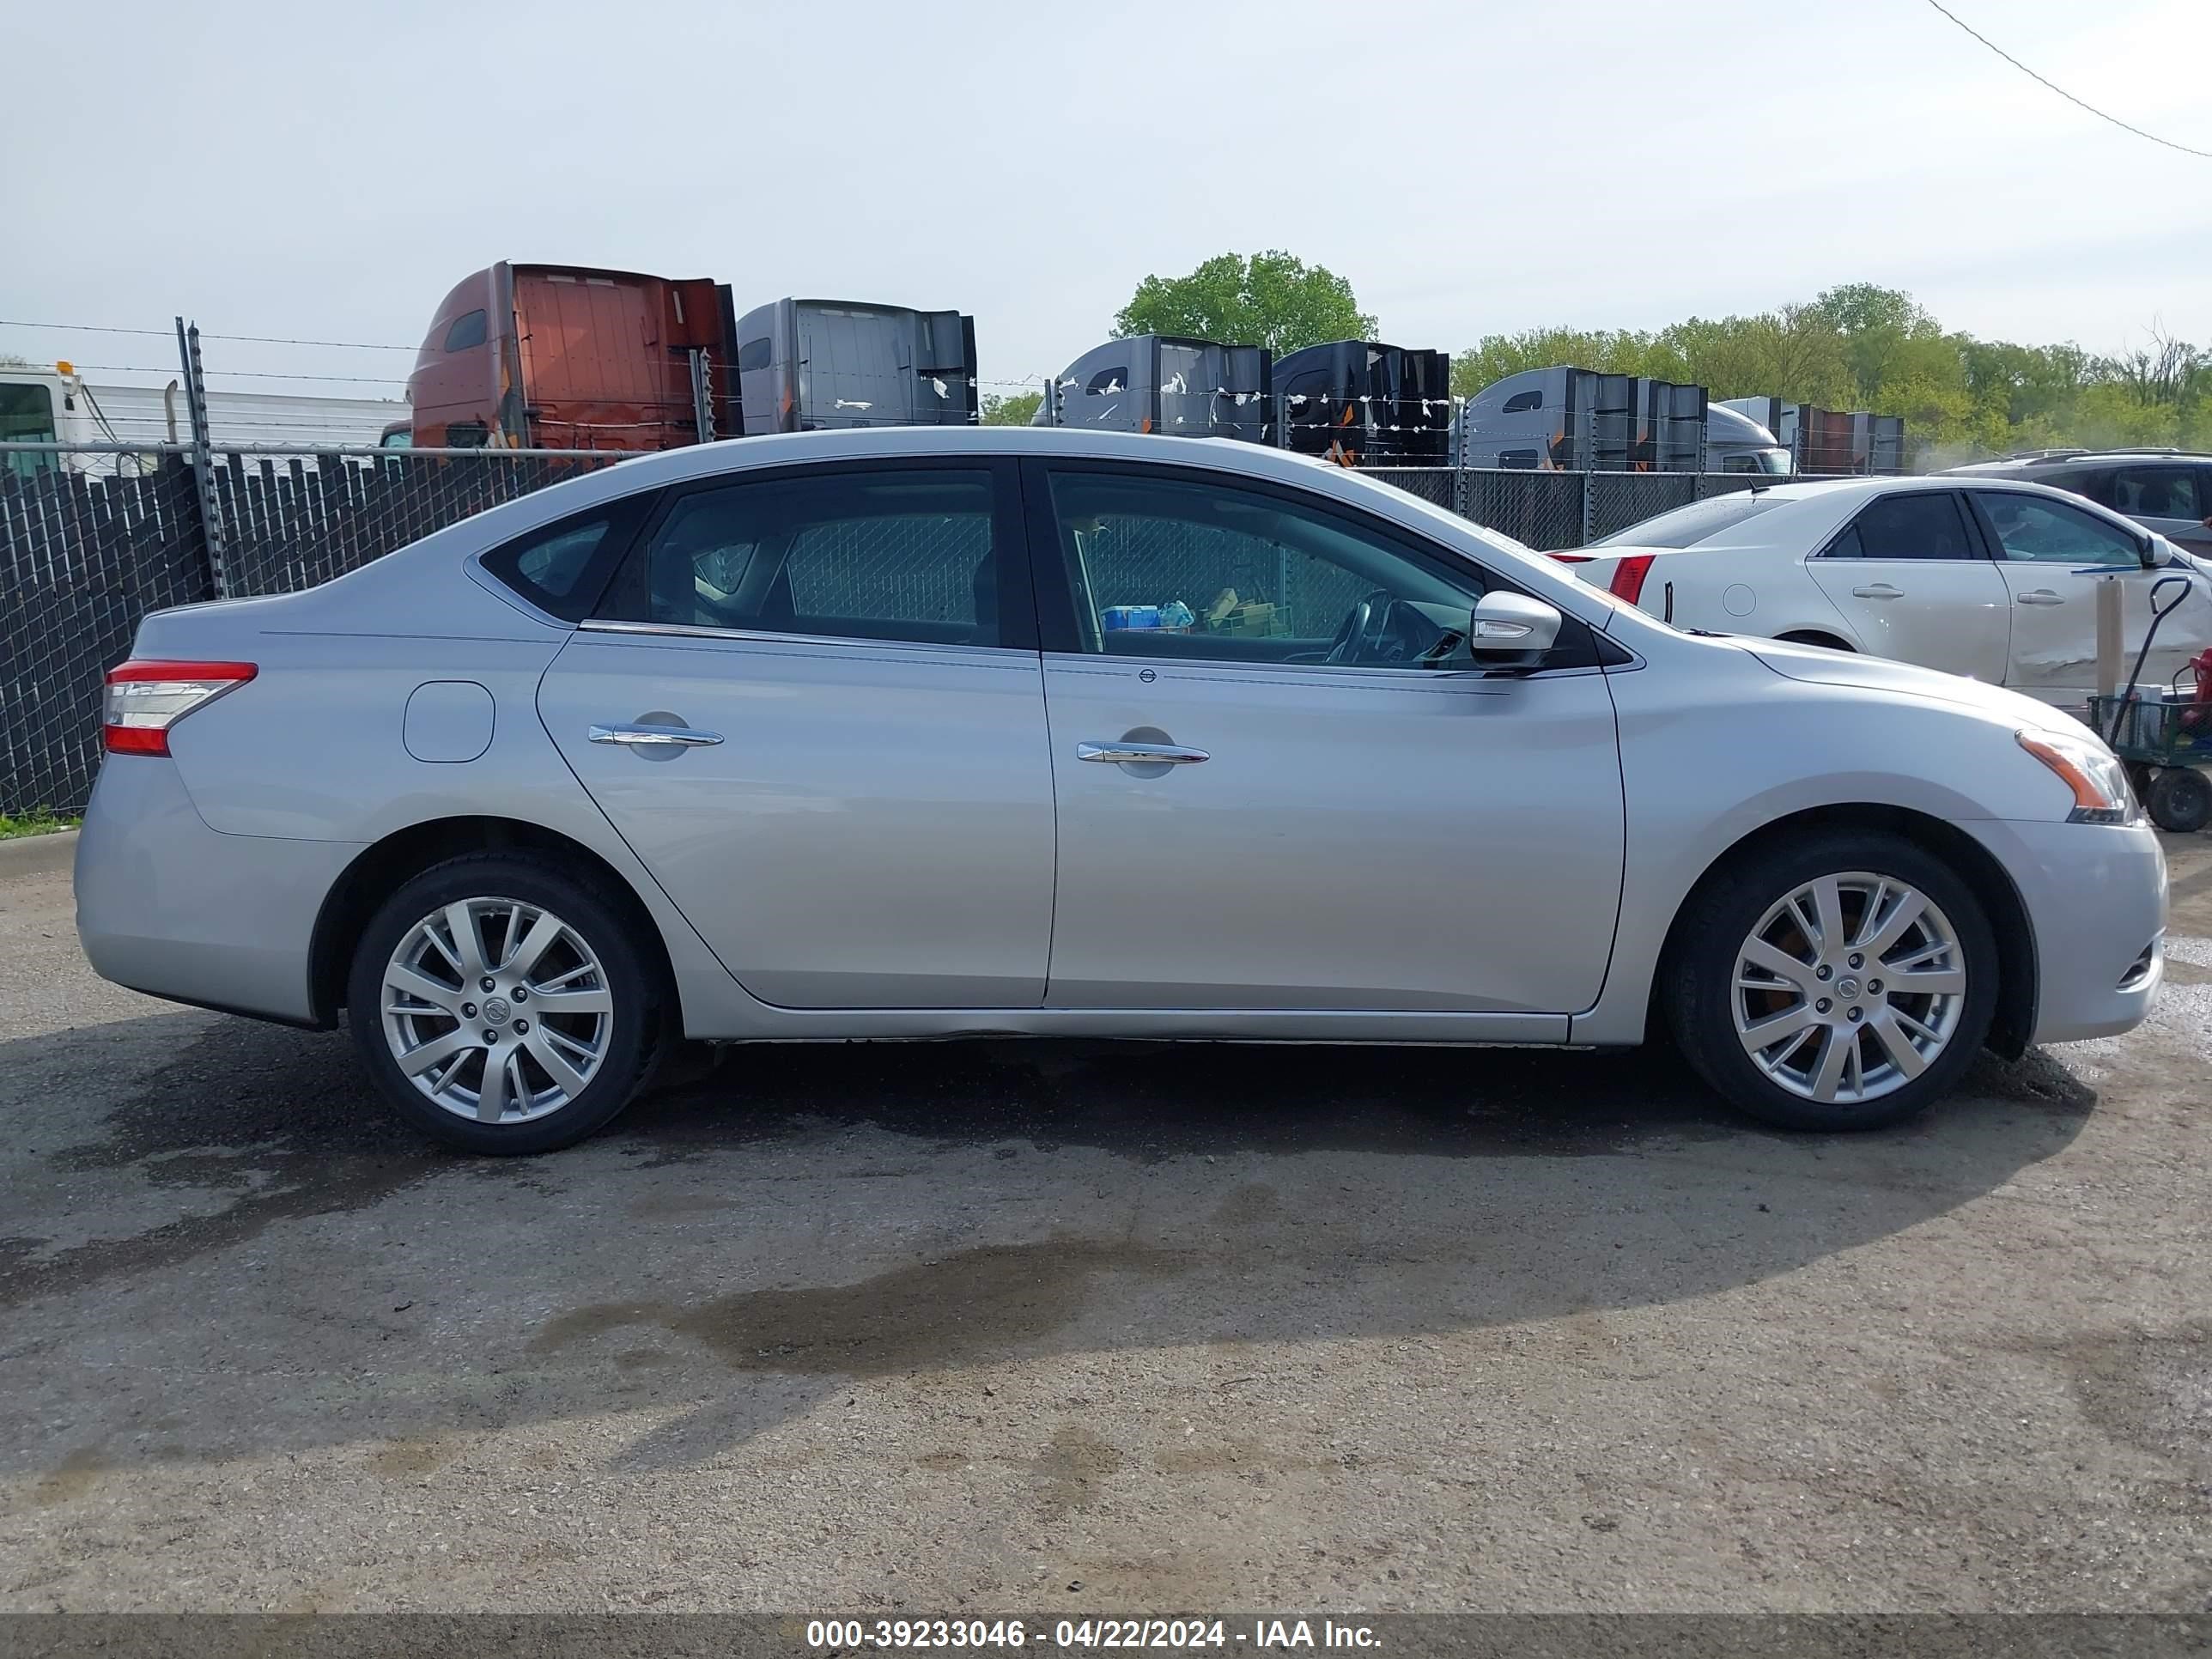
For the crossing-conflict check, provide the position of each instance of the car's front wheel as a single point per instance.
(501, 1006)
(1841, 982)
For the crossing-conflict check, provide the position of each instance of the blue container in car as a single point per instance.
(1130, 616)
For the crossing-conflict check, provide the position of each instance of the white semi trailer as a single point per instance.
(1573, 419)
(55, 404)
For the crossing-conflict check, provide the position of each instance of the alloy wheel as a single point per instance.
(1849, 988)
(496, 1010)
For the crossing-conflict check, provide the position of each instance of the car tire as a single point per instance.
(2179, 800)
(1736, 1004)
(543, 933)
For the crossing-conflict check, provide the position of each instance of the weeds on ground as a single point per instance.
(36, 822)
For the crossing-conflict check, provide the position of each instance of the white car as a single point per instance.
(1993, 579)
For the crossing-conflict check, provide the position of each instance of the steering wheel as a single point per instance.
(1382, 629)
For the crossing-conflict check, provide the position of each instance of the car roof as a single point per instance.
(1832, 490)
(2074, 460)
(1825, 500)
(862, 443)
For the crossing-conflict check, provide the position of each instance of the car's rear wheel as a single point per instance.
(501, 1005)
(1842, 981)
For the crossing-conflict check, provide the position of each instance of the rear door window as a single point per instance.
(1916, 523)
(2157, 492)
(900, 554)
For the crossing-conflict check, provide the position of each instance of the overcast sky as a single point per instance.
(328, 172)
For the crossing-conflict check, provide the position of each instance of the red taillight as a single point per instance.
(1572, 559)
(143, 700)
(1628, 576)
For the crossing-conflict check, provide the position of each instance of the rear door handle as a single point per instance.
(1878, 591)
(655, 737)
(2041, 596)
(1155, 754)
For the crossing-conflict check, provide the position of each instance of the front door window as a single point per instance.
(2030, 529)
(1181, 567)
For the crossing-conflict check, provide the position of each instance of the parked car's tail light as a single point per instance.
(143, 700)
(1628, 576)
(2093, 772)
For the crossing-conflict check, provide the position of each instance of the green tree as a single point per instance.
(1861, 346)
(1010, 412)
(1497, 355)
(1273, 299)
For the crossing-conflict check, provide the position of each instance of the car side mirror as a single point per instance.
(1511, 631)
(2146, 550)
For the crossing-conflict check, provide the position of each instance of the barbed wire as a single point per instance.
(171, 334)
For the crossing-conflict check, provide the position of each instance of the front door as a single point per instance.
(2055, 557)
(1910, 576)
(800, 707)
(1280, 787)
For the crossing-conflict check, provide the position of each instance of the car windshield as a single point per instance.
(1686, 527)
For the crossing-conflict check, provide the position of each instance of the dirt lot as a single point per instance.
(966, 1327)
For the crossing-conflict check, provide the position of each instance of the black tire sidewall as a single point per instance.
(637, 1016)
(1700, 976)
(2179, 800)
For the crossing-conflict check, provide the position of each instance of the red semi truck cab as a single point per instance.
(524, 357)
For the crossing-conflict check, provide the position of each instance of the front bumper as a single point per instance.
(167, 906)
(2096, 899)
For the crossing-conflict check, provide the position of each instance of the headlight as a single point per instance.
(2093, 772)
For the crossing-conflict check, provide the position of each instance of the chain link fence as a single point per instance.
(93, 539)
(1542, 510)
(82, 556)
(291, 522)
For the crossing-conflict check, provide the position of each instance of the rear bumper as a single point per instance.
(2096, 899)
(167, 906)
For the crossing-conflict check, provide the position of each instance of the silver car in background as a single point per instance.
(938, 732)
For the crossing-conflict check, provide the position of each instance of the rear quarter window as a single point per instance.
(562, 569)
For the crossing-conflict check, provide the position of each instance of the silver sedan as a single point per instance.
(929, 732)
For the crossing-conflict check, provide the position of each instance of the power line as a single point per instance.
(170, 334)
(2205, 154)
(245, 373)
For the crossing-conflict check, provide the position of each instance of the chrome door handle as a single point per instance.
(1156, 754)
(2041, 596)
(655, 737)
(1878, 591)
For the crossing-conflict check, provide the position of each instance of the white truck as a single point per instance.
(1573, 419)
(55, 404)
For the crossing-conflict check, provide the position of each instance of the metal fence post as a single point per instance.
(188, 351)
(703, 395)
(1589, 507)
(1453, 447)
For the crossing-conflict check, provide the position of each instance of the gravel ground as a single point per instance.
(966, 1327)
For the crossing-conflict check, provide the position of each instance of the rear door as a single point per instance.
(2054, 556)
(1910, 575)
(800, 708)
